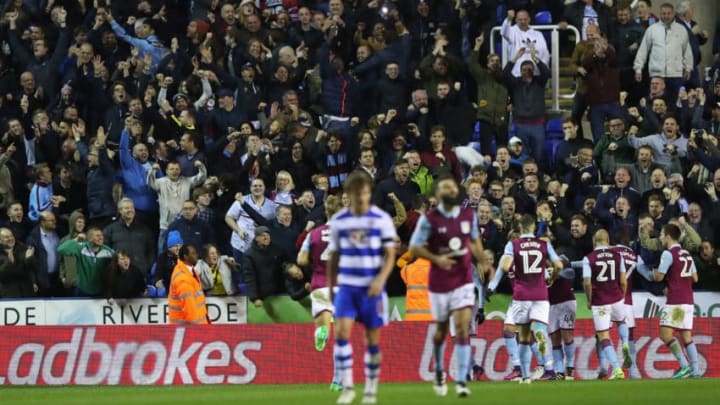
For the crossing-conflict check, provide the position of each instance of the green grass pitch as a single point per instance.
(645, 392)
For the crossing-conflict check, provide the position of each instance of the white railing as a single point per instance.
(554, 58)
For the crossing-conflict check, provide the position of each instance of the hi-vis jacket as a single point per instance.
(415, 276)
(186, 299)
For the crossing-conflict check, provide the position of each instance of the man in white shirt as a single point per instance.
(520, 36)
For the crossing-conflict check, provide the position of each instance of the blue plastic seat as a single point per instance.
(543, 18)
(152, 291)
(554, 130)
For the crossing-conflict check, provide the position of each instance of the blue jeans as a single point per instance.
(533, 138)
(601, 112)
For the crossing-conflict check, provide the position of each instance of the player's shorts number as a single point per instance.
(604, 267)
(532, 260)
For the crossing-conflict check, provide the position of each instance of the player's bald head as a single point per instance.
(601, 238)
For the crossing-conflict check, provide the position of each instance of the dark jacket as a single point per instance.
(281, 235)
(100, 182)
(165, 265)
(528, 98)
(405, 193)
(694, 40)
(40, 275)
(195, 232)
(16, 278)
(137, 240)
(263, 271)
(124, 284)
(337, 89)
(624, 36)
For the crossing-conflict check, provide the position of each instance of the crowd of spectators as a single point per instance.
(128, 129)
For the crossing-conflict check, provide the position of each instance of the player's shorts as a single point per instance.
(353, 302)
(508, 315)
(473, 325)
(603, 315)
(524, 312)
(442, 304)
(629, 316)
(562, 316)
(320, 301)
(679, 316)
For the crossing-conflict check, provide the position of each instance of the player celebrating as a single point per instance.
(678, 269)
(563, 310)
(361, 256)
(530, 305)
(314, 252)
(605, 285)
(447, 235)
(631, 260)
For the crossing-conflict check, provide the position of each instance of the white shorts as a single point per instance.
(524, 312)
(508, 315)
(679, 316)
(629, 316)
(472, 326)
(562, 316)
(442, 304)
(320, 301)
(604, 314)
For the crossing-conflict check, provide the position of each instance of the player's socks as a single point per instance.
(558, 357)
(462, 351)
(602, 359)
(609, 352)
(634, 370)
(623, 332)
(692, 353)
(525, 353)
(676, 350)
(512, 348)
(536, 353)
(344, 362)
(569, 349)
(372, 369)
(439, 355)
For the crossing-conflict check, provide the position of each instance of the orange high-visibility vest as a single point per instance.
(417, 303)
(186, 299)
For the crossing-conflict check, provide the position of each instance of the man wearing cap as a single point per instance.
(262, 266)
(166, 261)
(249, 91)
(227, 117)
(517, 152)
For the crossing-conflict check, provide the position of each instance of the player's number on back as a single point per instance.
(687, 266)
(532, 260)
(604, 268)
(325, 237)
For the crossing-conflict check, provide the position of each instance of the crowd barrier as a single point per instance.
(280, 309)
(281, 354)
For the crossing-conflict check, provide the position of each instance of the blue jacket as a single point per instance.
(40, 195)
(337, 89)
(134, 175)
(151, 45)
(100, 182)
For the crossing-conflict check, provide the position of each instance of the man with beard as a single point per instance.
(448, 236)
(399, 185)
(492, 110)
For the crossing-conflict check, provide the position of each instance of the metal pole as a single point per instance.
(555, 69)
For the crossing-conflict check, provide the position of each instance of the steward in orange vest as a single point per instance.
(415, 276)
(186, 299)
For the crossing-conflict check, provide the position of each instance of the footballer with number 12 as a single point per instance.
(362, 250)
(447, 235)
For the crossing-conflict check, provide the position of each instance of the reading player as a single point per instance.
(605, 285)
(678, 269)
(362, 256)
(530, 307)
(314, 252)
(448, 236)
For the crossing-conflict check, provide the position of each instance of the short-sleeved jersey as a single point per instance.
(448, 234)
(316, 245)
(678, 266)
(631, 261)
(360, 240)
(561, 291)
(603, 267)
(529, 257)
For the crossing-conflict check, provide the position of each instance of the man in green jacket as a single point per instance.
(92, 258)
